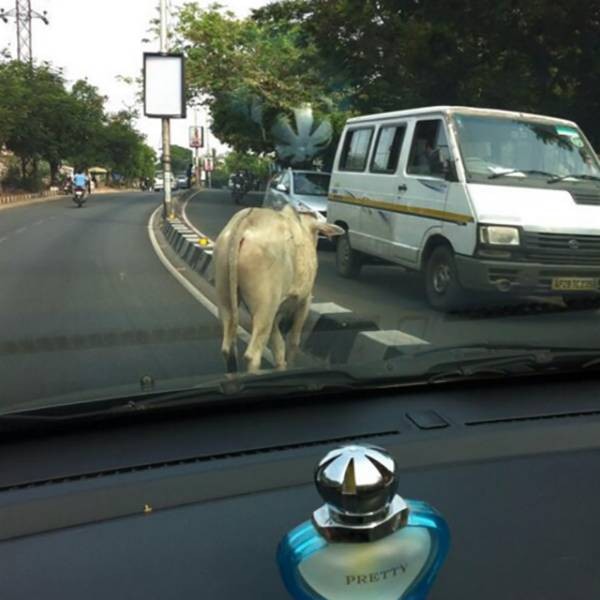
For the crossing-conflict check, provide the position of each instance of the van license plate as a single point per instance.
(575, 284)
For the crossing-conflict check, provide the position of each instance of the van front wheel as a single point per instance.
(444, 291)
(348, 262)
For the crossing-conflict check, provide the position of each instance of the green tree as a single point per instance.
(122, 147)
(248, 73)
(259, 166)
(180, 158)
(87, 119)
(146, 159)
(44, 123)
(539, 56)
(36, 102)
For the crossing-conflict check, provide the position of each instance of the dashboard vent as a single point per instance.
(547, 417)
(200, 459)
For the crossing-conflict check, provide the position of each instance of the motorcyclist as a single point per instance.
(240, 179)
(238, 189)
(67, 184)
(80, 180)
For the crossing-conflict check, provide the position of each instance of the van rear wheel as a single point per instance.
(443, 288)
(348, 262)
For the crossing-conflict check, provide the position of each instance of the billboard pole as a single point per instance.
(168, 211)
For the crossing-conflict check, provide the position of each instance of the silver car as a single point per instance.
(305, 190)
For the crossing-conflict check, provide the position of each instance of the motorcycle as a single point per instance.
(79, 196)
(237, 192)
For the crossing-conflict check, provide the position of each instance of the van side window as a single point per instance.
(429, 154)
(356, 149)
(387, 149)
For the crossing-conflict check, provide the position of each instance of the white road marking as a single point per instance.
(3, 239)
(188, 222)
(195, 292)
(199, 296)
(38, 223)
(20, 230)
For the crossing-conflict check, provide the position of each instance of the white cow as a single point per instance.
(268, 259)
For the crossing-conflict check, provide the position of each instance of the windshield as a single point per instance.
(311, 184)
(492, 145)
(273, 199)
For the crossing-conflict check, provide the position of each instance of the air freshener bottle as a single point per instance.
(365, 542)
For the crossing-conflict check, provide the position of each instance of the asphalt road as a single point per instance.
(395, 298)
(87, 307)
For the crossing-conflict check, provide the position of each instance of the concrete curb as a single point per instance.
(23, 198)
(14, 200)
(332, 333)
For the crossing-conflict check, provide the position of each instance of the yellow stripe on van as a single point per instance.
(417, 211)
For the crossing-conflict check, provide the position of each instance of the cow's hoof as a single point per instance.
(231, 363)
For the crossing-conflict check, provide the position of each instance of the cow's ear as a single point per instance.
(328, 229)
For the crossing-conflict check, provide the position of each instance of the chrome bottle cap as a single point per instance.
(358, 485)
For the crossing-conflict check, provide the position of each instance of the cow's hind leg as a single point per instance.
(278, 346)
(229, 346)
(262, 326)
(296, 331)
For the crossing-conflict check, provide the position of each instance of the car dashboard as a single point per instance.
(193, 504)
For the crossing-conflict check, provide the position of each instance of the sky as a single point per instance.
(101, 40)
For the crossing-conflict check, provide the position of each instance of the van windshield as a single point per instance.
(519, 148)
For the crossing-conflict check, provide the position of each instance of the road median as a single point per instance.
(333, 334)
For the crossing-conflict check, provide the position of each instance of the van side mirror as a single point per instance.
(282, 188)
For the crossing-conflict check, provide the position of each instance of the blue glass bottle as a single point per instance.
(366, 542)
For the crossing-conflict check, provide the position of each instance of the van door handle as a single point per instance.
(402, 187)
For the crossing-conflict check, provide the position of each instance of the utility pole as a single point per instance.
(166, 124)
(196, 154)
(208, 154)
(23, 15)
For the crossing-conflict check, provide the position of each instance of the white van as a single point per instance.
(479, 200)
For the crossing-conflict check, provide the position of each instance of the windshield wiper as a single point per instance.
(239, 387)
(574, 176)
(418, 368)
(461, 363)
(524, 171)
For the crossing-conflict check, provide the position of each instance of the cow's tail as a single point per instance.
(232, 264)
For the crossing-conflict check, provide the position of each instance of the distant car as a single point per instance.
(159, 183)
(183, 182)
(305, 190)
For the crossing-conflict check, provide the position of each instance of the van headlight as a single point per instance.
(496, 235)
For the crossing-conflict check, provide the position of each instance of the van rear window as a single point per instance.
(356, 150)
(387, 149)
